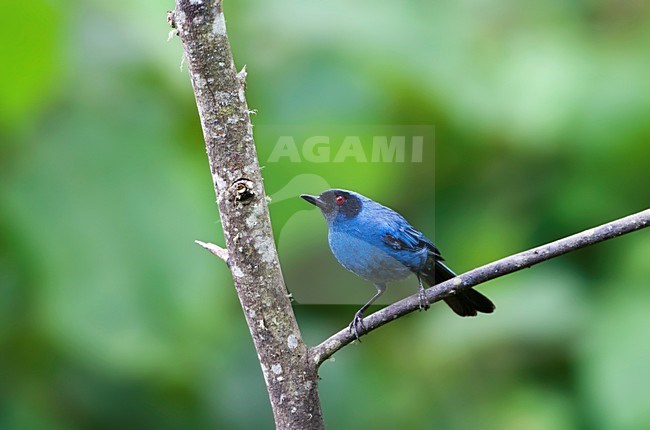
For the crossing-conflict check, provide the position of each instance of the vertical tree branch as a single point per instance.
(291, 378)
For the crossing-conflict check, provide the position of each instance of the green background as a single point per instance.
(110, 316)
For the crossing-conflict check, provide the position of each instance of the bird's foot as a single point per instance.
(357, 322)
(424, 303)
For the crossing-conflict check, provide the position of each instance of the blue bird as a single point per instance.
(379, 245)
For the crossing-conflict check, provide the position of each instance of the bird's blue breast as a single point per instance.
(359, 244)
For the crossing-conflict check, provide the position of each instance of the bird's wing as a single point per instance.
(406, 237)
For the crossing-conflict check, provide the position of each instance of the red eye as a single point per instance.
(340, 200)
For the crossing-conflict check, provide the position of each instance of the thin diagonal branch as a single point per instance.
(483, 274)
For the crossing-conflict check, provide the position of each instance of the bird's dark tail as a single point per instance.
(466, 303)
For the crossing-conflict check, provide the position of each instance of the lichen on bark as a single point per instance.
(290, 376)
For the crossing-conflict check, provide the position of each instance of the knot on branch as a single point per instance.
(241, 192)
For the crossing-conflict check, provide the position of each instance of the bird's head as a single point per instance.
(337, 204)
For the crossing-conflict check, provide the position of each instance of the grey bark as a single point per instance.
(291, 379)
(289, 366)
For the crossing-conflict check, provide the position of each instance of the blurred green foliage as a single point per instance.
(110, 317)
